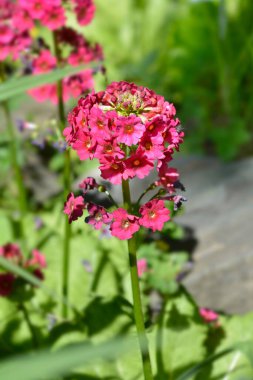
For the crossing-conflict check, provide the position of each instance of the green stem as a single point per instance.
(111, 199)
(14, 157)
(138, 314)
(151, 187)
(67, 187)
(161, 373)
(29, 325)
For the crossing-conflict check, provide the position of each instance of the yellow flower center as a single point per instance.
(98, 216)
(148, 145)
(125, 224)
(129, 129)
(152, 214)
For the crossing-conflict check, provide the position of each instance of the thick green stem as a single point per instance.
(138, 314)
(14, 158)
(67, 188)
(30, 326)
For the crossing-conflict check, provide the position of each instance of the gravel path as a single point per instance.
(220, 209)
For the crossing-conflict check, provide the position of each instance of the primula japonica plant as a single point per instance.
(24, 50)
(131, 131)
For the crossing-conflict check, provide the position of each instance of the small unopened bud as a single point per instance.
(101, 189)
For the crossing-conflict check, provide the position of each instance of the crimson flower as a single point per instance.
(74, 207)
(124, 225)
(98, 216)
(154, 214)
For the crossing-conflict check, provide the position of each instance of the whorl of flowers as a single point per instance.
(13, 39)
(35, 264)
(131, 131)
(19, 18)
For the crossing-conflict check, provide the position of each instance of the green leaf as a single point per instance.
(48, 365)
(196, 369)
(237, 364)
(17, 86)
(179, 341)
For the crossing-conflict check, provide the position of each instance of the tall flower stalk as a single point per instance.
(131, 131)
(13, 143)
(137, 305)
(66, 184)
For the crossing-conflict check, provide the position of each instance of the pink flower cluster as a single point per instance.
(50, 13)
(13, 39)
(130, 130)
(17, 19)
(80, 52)
(122, 225)
(35, 264)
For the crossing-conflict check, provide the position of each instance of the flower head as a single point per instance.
(98, 216)
(138, 165)
(85, 10)
(124, 225)
(154, 214)
(208, 315)
(113, 170)
(74, 207)
(88, 183)
(38, 260)
(11, 252)
(130, 130)
(168, 178)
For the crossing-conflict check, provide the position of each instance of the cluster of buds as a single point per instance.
(9, 282)
(18, 20)
(131, 131)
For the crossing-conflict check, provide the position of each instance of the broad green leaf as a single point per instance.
(210, 360)
(179, 341)
(17, 86)
(233, 329)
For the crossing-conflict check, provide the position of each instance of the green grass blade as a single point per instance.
(48, 365)
(6, 264)
(17, 86)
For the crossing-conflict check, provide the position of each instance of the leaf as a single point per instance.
(48, 365)
(180, 339)
(211, 359)
(233, 328)
(17, 86)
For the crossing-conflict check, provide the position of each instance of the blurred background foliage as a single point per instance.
(196, 53)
